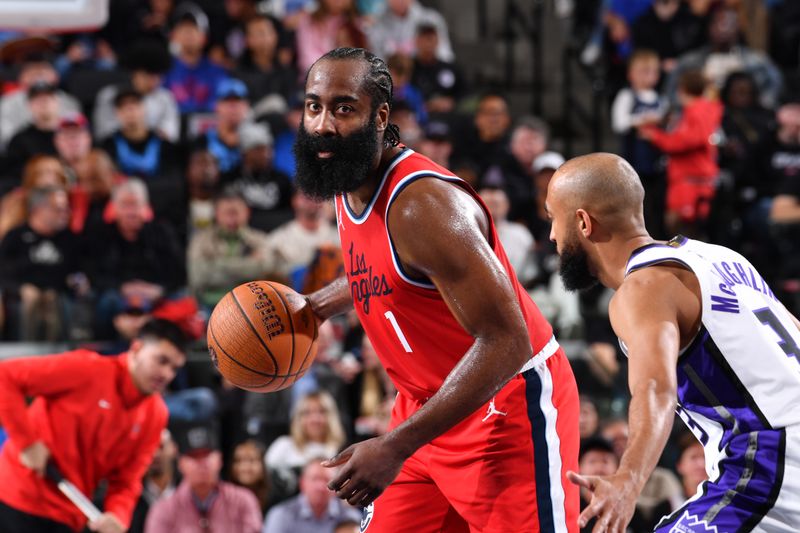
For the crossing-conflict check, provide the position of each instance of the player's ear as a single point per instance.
(382, 117)
(584, 222)
(136, 345)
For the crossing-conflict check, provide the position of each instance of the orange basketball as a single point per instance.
(262, 336)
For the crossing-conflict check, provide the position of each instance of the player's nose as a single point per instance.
(323, 124)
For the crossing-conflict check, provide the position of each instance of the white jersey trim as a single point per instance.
(365, 215)
(397, 189)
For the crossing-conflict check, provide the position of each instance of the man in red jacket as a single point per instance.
(95, 418)
(692, 155)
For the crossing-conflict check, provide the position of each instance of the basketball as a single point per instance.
(262, 336)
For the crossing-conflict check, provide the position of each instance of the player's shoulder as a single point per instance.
(644, 286)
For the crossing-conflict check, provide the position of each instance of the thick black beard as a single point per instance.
(346, 171)
(574, 269)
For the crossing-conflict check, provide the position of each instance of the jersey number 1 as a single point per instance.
(393, 321)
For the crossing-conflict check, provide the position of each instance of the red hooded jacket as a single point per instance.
(692, 155)
(93, 419)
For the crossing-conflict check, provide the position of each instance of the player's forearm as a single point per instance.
(650, 417)
(331, 300)
(481, 373)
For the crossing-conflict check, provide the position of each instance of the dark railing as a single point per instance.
(587, 114)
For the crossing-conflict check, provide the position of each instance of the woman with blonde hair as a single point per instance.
(315, 430)
(40, 171)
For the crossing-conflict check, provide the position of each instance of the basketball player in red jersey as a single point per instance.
(485, 424)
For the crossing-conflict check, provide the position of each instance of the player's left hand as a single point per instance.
(613, 501)
(107, 523)
(368, 468)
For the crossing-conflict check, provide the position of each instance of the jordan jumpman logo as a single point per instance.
(492, 410)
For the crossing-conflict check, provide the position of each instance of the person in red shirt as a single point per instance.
(485, 423)
(96, 418)
(692, 169)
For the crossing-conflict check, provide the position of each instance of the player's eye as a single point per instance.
(345, 109)
(313, 106)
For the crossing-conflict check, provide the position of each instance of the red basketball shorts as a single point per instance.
(501, 470)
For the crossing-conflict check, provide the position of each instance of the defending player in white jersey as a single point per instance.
(701, 325)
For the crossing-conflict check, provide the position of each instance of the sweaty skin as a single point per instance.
(595, 204)
(452, 221)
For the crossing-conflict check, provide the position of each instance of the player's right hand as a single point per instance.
(35, 457)
(613, 501)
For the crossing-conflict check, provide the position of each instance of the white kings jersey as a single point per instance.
(739, 379)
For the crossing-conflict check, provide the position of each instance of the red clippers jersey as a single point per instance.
(415, 335)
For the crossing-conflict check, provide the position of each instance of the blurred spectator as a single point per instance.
(529, 140)
(401, 68)
(440, 82)
(724, 55)
(248, 471)
(147, 62)
(485, 144)
(159, 481)
(375, 393)
(284, 141)
(395, 29)
(40, 171)
(692, 169)
(404, 116)
(96, 178)
(559, 306)
(589, 420)
(231, 109)
(437, 143)
(691, 465)
(315, 431)
(136, 262)
(202, 501)
(86, 51)
(745, 191)
(73, 143)
(137, 149)
(596, 458)
(202, 178)
(321, 30)
(515, 237)
(37, 138)
(268, 192)
(315, 510)
(669, 28)
(40, 266)
(227, 31)
(226, 254)
(193, 79)
(295, 243)
(105, 416)
(263, 36)
(637, 105)
(15, 113)
(783, 166)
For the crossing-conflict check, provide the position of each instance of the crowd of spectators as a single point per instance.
(147, 168)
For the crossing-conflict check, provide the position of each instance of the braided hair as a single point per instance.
(377, 82)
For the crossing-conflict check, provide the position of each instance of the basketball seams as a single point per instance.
(255, 332)
(291, 325)
(228, 356)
